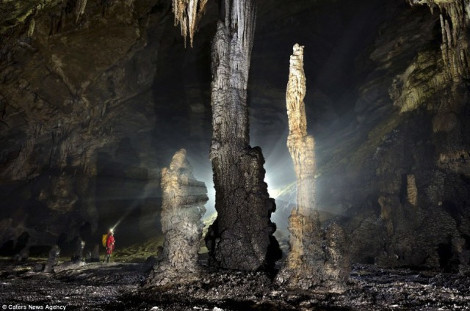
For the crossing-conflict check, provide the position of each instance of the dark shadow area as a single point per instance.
(120, 193)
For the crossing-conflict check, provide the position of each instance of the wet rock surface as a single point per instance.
(117, 286)
(91, 286)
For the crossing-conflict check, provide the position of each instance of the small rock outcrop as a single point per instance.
(53, 259)
(78, 251)
(316, 258)
(411, 189)
(183, 207)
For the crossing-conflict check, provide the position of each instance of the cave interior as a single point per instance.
(97, 96)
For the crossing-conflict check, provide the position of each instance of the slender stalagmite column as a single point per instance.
(241, 237)
(305, 235)
(301, 146)
(308, 264)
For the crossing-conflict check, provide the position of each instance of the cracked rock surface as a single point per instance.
(117, 286)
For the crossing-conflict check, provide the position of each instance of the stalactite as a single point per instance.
(80, 9)
(32, 27)
(455, 23)
(187, 14)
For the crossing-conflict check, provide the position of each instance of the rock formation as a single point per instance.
(300, 144)
(454, 19)
(315, 260)
(306, 252)
(411, 190)
(53, 259)
(241, 236)
(78, 247)
(183, 206)
(57, 125)
(187, 14)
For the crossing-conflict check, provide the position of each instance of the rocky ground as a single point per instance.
(121, 286)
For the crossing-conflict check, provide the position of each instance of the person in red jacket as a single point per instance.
(109, 245)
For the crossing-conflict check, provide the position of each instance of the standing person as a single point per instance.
(109, 244)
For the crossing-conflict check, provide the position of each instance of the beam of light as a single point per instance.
(147, 193)
(282, 186)
(279, 173)
(202, 170)
(113, 228)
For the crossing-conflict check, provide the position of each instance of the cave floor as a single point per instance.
(118, 286)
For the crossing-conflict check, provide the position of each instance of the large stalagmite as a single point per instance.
(241, 237)
(316, 258)
(183, 206)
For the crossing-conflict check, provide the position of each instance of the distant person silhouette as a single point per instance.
(109, 245)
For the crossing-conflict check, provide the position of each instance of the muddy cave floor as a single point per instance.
(118, 286)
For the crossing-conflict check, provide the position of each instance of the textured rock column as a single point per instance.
(301, 146)
(241, 237)
(455, 21)
(306, 254)
(308, 264)
(182, 209)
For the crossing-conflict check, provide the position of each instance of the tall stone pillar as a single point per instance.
(301, 146)
(241, 237)
(309, 264)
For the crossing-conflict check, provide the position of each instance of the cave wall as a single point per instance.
(404, 182)
(77, 118)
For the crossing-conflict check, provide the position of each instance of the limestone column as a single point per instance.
(241, 237)
(309, 264)
(306, 254)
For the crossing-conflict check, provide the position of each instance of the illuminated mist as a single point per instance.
(186, 122)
